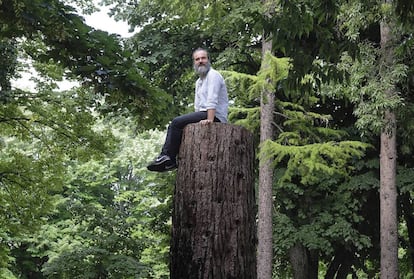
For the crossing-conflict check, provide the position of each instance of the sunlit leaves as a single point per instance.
(311, 162)
(116, 214)
(40, 132)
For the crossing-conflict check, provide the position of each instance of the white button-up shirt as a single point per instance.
(211, 93)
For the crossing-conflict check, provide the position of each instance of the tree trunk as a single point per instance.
(388, 204)
(304, 262)
(214, 232)
(265, 221)
(388, 158)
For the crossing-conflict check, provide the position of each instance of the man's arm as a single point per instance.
(210, 116)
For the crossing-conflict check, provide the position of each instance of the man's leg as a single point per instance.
(167, 159)
(175, 132)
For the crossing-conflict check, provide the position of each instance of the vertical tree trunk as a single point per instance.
(265, 221)
(388, 158)
(388, 201)
(214, 232)
(304, 262)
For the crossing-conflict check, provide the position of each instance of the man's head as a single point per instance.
(201, 62)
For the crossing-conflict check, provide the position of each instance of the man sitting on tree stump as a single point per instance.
(211, 105)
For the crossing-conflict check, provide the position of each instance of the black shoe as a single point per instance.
(159, 163)
(170, 165)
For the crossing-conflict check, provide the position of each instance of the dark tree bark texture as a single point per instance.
(304, 262)
(214, 235)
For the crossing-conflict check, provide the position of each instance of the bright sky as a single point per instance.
(101, 20)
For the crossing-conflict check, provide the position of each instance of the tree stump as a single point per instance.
(214, 231)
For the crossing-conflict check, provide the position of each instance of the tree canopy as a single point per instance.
(76, 199)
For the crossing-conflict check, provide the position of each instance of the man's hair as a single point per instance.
(201, 49)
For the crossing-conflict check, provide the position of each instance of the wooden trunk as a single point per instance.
(214, 232)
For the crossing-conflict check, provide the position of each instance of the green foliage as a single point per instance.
(311, 162)
(246, 117)
(273, 69)
(6, 274)
(312, 35)
(37, 137)
(405, 10)
(88, 260)
(405, 180)
(52, 157)
(240, 86)
(245, 110)
(76, 203)
(355, 17)
(8, 60)
(367, 87)
(113, 217)
(333, 218)
(40, 132)
(55, 35)
(245, 90)
(301, 127)
(403, 251)
(171, 30)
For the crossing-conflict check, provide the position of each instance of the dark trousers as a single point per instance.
(175, 131)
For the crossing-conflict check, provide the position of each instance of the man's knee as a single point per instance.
(179, 122)
(176, 122)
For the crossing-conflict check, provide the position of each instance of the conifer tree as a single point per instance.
(302, 149)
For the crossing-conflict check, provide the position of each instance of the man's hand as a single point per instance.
(206, 121)
(210, 117)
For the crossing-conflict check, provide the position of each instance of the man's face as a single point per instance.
(201, 62)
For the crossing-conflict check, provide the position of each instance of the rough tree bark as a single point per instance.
(213, 234)
(304, 262)
(388, 170)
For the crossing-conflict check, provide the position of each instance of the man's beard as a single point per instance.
(202, 70)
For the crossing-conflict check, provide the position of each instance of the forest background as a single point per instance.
(76, 199)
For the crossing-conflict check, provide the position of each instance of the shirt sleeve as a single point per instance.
(213, 90)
